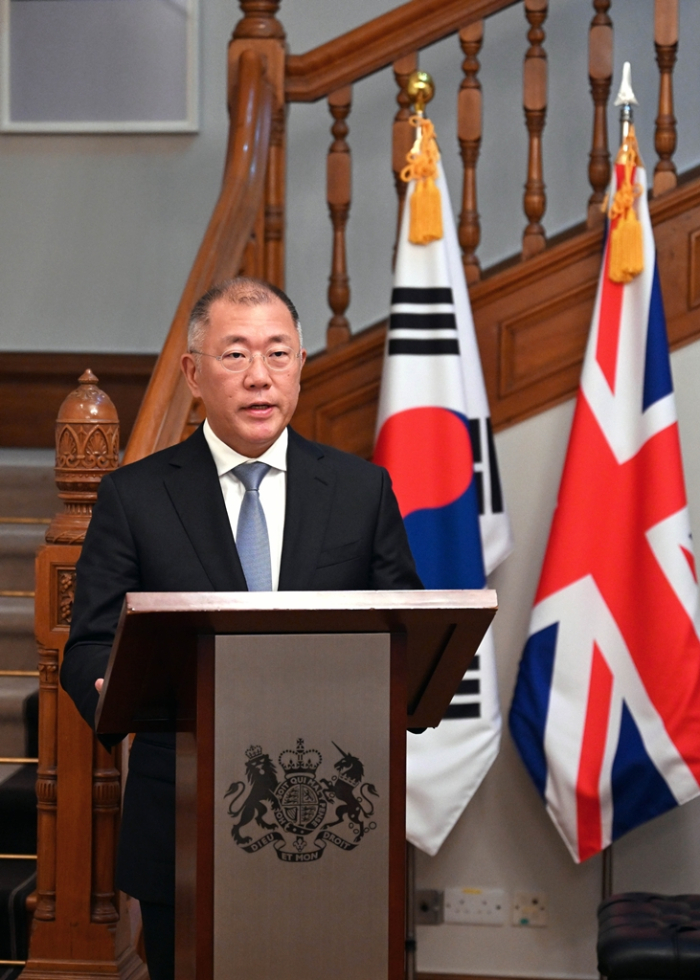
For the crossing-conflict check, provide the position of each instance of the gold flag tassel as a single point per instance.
(626, 240)
(426, 207)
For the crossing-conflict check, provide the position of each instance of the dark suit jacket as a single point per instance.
(160, 525)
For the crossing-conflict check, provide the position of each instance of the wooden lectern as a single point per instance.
(291, 710)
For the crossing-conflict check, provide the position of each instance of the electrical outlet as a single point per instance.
(429, 907)
(475, 906)
(529, 909)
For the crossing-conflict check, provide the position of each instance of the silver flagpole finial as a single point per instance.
(626, 99)
(626, 96)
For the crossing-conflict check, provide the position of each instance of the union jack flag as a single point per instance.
(606, 711)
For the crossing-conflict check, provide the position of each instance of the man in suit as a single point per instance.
(191, 518)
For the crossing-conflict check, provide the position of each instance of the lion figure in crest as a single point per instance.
(262, 777)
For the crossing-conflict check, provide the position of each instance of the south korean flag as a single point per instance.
(434, 436)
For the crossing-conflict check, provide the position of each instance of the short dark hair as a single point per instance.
(244, 290)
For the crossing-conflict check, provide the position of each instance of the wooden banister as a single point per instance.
(167, 401)
(379, 43)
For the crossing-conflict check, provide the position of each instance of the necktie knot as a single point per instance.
(251, 475)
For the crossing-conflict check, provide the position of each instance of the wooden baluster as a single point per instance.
(469, 135)
(339, 196)
(77, 779)
(600, 70)
(46, 773)
(535, 105)
(666, 44)
(402, 134)
(274, 202)
(259, 20)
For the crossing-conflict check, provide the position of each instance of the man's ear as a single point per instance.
(189, 369)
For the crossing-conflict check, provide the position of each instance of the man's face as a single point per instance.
(247, 410)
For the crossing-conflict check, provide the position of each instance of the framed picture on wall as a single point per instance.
(96, 66)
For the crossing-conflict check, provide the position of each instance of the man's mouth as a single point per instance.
(259, 408)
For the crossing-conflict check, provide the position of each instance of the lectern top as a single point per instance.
(206, 603)
(150, 677)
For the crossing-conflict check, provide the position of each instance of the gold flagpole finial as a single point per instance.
(425, 224)
(420, 89)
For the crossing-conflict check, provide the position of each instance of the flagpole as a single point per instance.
(607, 873)
(625, 99)
(410, 944)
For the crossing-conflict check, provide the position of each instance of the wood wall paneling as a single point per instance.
(694, 269)
(339, 393)
(546, 340)
(33, 385)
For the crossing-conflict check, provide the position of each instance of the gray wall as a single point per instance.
(505, 839)
(98, 235)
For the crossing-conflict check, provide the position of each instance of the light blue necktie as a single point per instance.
(252, 542)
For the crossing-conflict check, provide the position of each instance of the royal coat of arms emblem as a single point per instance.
(296, 814)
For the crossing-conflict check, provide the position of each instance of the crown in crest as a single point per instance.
(253, 752)
(300, 760)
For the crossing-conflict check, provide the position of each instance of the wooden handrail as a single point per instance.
(167, 401)
(379, 43)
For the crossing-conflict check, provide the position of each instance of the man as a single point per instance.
(244, 503)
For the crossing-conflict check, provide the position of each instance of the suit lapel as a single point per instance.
(194, 488)
(310, 484)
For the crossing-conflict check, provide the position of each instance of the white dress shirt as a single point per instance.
(273, 489)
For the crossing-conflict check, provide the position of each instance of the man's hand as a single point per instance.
(98, 684)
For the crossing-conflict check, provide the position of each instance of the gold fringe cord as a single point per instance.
(426, 207)
(626, 241)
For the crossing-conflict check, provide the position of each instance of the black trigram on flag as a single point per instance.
(488, 482)
(422, 321)
(467, 703)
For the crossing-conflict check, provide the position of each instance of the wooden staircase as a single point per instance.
(532, 315)
(531, 312)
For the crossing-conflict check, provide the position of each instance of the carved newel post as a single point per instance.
(87, 447)
(77, 930)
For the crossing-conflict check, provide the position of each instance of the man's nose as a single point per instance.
(258, 371)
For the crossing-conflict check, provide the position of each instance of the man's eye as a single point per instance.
(234, 355)
(278, 354)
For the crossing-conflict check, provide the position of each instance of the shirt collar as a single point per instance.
(226, 458)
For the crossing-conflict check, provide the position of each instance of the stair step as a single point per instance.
(14, 692)
(19, 544)
(27, 483)
(17, 644)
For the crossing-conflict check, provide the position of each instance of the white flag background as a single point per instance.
(445, 765)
